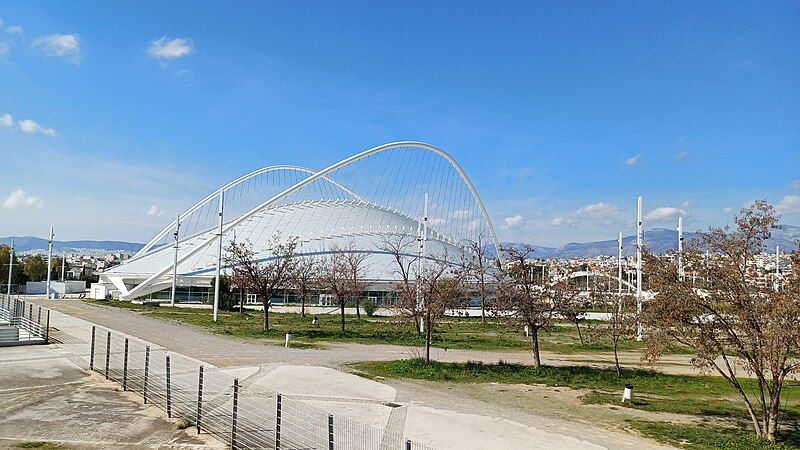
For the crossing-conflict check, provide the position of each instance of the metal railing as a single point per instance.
(23, 322)
(216, 403)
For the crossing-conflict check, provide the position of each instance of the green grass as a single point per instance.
(39, 445)
(704, 396)
(450, 333)
(706, 437)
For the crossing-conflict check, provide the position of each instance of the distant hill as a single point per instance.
(29, 244)
(657, 240)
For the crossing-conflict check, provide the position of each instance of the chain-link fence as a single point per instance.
(212, 400)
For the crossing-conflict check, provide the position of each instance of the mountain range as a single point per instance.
(658, 240)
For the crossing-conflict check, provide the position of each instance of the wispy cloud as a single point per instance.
(795, 185)
(62, 46)
(5, 48)
(155, 211)
(165, 48)
(633, 160)
(680, 155)
(513, 222)
(600, 213)
(664, 213)
(6, 120)
(14, 30)
(31, 126)
(21, 199)
(789, 204)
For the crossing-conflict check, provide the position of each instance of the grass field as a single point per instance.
(451, 333)
(703, 397)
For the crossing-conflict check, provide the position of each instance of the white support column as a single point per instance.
(619, 265)
(680, 248)
(777, 268)
(10, 266)
(49, 260)
(219, 255)
(175, 261)
(639, 242)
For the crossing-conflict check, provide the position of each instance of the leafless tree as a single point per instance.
(441, 288)
(305, 277)
(402, 248)
(729, 320)
(343, 275)
(265, 278)
(479, 266)
(525, 303)
(621, 311)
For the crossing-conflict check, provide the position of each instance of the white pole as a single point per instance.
(777, 267)
(219, 256)
(639, 239)
(680, 248)
(49, 259)
(175, 261)
(619, 265)
(63, 265)
(10, 266)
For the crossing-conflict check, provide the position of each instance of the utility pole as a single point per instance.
(175, 261)
(49, 259)
(639, 239)
(10, 266)
(219, 257)
(619, 264)
(680, 248)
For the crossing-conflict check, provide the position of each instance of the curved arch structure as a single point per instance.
(359, 202)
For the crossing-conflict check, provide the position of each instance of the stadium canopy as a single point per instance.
(360, 204)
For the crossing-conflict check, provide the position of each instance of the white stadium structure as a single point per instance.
(359, 203)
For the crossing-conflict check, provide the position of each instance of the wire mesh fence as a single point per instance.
(212, 400)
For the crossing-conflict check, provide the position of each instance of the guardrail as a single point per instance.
(23, 322)
(215, 402)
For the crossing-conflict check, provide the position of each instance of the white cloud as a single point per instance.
(788, 205)
(795, 185)
(633, 160)
(63, 46)
(155, 211)
(680, 155)
(31, 126)
(513, 222)
(6, 120)
(664, 212)
(21, 199)
(558, 221)
(5, 48)
(599, 210)
(727, 210)
(14, 30)
(165, 48)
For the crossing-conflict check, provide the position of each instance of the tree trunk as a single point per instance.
(428, 338)
(774, 409)
(537, 361)
(341, 304)
(265, 302)
(241, 301)
(616, 354)
(578, 327)
(303, 305)
(483, 311)
(358, 307)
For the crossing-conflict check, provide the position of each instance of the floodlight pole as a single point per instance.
(10, 266)
(639, 239)
(49, 260)
(175, 261)
(422, 233)
(219, 255)
(619, 265)
(680, 248)
(63, 265)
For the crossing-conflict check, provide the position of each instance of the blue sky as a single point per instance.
(113, 117)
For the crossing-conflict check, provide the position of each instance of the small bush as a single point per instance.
(369, 307)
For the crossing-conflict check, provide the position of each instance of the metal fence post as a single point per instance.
(278, 423)
(199, 398)
(125, 367)
(169, 392)
(408, 444)
(39, 315)
(47, 329)
(330, 432)
(146, 371)
(108, 351)
(235, 411)
(91, 351)
(30, 312)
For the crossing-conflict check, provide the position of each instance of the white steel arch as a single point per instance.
(313, 176)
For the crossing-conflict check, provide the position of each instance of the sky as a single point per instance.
(116, 116)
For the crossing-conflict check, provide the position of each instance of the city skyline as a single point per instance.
(112, 123)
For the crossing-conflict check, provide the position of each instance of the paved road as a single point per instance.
(443, 418)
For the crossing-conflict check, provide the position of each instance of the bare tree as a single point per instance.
(441, 288)
(524, 302)
(729, 320)
(264, 278)
(402, 249)
(342, 275)
(479, 266)
(305, 276)
(622, 316)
